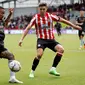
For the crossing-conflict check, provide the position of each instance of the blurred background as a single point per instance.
(25, 9)
(72, 66)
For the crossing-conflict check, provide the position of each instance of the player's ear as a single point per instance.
(46, 8)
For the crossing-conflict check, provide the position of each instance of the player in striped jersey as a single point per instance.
(43, 22)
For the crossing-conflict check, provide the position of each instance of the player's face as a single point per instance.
(42, 10)
(1, 13)
(81, 13)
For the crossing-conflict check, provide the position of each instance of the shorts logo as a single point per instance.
(83, 33)
(39, 45)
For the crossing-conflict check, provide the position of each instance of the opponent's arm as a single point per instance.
(9, 16)
(71, 24)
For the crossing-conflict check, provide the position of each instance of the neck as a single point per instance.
(42, 15)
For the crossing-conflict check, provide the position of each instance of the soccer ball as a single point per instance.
(15, 66)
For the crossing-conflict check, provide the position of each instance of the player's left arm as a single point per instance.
(9, 16)
(70, 24)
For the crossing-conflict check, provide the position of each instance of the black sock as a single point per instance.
(35, 63)
(56, 60)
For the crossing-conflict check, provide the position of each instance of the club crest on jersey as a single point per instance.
(39, 45)
(45, 26)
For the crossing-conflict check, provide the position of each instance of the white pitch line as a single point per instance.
(73, 50)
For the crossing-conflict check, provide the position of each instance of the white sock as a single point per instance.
(81, 42)
(53, 68)
(12, 74)
(32, 71)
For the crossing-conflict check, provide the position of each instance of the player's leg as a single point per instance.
(36, 61)
(59, 52)
(84, 44)
(40, 49)
(8, 55)
(59, 32)
(81, 39)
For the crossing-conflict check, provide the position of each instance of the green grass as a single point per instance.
(71, 67)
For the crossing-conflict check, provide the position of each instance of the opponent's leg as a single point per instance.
(81, 36)
(8, 55)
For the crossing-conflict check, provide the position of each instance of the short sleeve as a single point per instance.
(55, 17)
(32, 22)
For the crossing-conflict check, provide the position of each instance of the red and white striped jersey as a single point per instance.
(44, 25)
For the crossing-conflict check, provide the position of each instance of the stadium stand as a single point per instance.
(23, 14)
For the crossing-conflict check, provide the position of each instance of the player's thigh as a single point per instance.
(54, 46)
(40, 47)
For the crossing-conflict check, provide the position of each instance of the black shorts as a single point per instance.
(47, 43)
(2, 48)
(81, 33)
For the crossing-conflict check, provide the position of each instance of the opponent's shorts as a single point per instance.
(81, 33)
(2, 48)
(47, 43)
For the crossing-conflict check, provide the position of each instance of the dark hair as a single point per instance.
(1, 7)
(42, 4)
(82, 9)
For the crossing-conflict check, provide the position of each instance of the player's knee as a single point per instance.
(8, 55)
(39, 55)
(11, 56)
(61, 50)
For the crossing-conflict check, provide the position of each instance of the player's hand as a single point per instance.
(11, 10)
(77, 27)
(20, 43)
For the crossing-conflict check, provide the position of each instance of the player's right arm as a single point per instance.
(26, 31)
(9, 16)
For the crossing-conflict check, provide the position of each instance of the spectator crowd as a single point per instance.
(64, 11)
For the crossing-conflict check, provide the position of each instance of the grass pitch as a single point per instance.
(71, 67)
